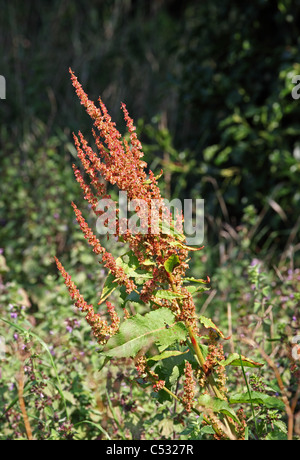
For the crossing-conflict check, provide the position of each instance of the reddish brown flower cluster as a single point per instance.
(214, 357)
(141, 365)
(188, 387)
(241, 427)
(119, 162)
(101, 329)
(107, 258)
(188, 311)
(157, 386)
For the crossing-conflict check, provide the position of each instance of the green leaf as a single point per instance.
(209, 324)
(279, 432)
(140, 332)
(96, 425)
(131, 266)
(109, 286)
(167, 354)
(170, 370)
(234, 359)
(257, 399)
(133, 297)
(193, 289)
(194, 280)
(175, 375)
(172, 262)
(170, 230)
(148, 262)
(178, 244)
(217, 405)
(69, 397)
(167, 295)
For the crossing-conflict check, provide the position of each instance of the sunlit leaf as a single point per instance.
(167, 354)
(209, 324)
(257, 399)
(140, 332)
(172, 262)
(168, 295)
(234, 359)
(217, 405)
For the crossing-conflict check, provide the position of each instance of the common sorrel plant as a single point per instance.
(151, 273)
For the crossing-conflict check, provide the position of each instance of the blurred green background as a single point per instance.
(209, 87)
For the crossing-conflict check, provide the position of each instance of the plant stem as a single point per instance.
(201, 361)
(22, 403)
(196, 411)
(196, 348)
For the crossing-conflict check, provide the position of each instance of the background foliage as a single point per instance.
(209, 86)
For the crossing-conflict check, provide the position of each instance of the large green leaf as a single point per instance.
(234, 359)
(257, 398)
(140, 332)
(217, 405)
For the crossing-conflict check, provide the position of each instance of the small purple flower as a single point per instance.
(14, 315)
(51, 348)
(284, 298)
(71, 324)
(1, 250)
(255, 262)
(11, 387)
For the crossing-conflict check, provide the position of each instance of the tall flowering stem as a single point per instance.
(155, 271)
